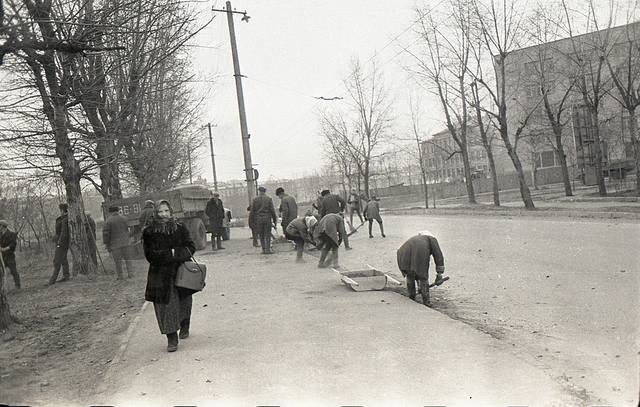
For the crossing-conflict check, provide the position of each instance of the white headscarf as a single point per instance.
(426, 233)
(310, 221)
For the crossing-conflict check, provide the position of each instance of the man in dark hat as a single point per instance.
(62, 246)
(115, 236)
(265, 217)
(331, 203)
(371, 212)
(215, 212)
(8, 248)
(288, 208)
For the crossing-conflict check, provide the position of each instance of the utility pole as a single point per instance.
(213, 160)
(246, 150)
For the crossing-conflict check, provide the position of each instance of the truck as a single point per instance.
(188, 204)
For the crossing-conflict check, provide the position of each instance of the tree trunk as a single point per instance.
(467, 174)
(494, 176)
(563, 162)
(524, 189)
(534, 171)
(636, 146)
(597, 148)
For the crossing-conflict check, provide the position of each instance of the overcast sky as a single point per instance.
(292, 51)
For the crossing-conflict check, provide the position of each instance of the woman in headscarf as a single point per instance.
(300, 230)
(167, 244)
(413, 261)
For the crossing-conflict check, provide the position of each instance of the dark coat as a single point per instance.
(332, 203)
(354, 200)
(163, 266)
(145, 216)
(331, 225)
(8, 239)
(215, 212)
(288, 209)
(262, 209)
(372, 210)
(115, 233)
(298, 228)
(62, 231)
(414, 255)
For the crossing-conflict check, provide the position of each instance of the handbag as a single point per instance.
(191, 275)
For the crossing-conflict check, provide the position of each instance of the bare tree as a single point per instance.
(588, 56)
(624, 67)
(445, 68)
(500, 32)
(372, 115)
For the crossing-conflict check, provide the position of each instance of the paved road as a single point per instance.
(537, 312)
(563, 293)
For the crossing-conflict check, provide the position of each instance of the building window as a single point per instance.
(545, 159)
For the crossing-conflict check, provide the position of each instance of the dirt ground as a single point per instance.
(68, 332)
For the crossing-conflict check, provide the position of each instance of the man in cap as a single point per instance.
(413, 261)
(215, 212)
(265, 218)
(8, 248)
(62, 246)
(288, 208)
(115, 236)
(300, 230)
(331, 203)
(354, 206)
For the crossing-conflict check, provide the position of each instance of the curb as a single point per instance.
(551, 213)
(102, 387)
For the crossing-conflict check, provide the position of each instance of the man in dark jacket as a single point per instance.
(331, 203)
(8, 248)
(330, 232)
(62, 246)
(146, 215)
(265, 217)
(371, 212)
(288, 208)
(354, 206)
(413, 261)
(115, 236)
(300, 231)
(215, 212)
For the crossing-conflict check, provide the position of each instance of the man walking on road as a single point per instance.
(62, 246)
(265, 217)
(371, 212)
(215, 212)
(413, 261)
(8, 248)
(115, 236)
(288, 208)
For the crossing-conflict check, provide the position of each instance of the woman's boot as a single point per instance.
(172, 342)
(184, 329)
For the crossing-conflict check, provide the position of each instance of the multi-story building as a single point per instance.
(559, 67)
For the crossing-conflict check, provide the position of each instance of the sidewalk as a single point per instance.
(266, 331)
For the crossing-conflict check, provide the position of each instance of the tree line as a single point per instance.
(468, 56)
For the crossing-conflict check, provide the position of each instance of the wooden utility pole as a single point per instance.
(213, 160)
(246, 150)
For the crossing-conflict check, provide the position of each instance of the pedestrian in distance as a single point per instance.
(288, 208)
(215, 212)
(146, 215)
(90, 229)
(371, 212)
(354, 206)
(167, 244)
(8, 240)
(265, 217)
(330, 232)
(331, 203)
(61, 239)
(115, 236)
(413, 261)
(300, 231)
